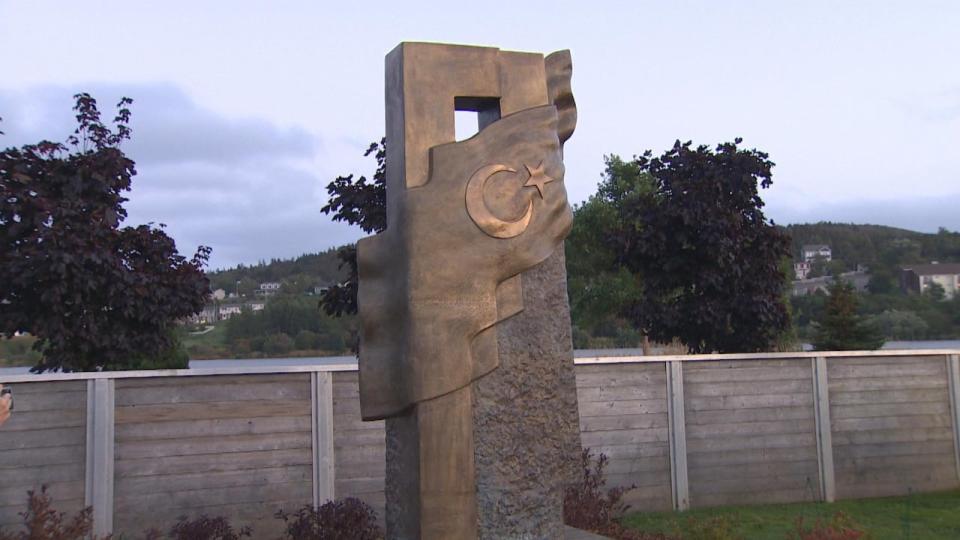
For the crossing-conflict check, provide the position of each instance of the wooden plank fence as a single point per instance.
(145, 448)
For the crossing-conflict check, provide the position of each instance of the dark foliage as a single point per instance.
(97, 296)
(341, 298)
(591, 506)
(42, 522)
(588, 504)
(342, 519)
(358, 202)
(203, 528)
(705, 262)
(842, 328)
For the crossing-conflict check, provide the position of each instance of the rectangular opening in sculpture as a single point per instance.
(472, 114)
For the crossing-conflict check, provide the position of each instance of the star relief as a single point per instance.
(537, 177)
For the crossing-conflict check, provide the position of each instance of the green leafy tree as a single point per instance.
(95, 294)
(842, 328)
(688, 226)
(897, 324)
(286, 315)
(601, 289)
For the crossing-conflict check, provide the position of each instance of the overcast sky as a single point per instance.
(245, 110)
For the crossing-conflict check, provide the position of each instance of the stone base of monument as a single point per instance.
(569, 533)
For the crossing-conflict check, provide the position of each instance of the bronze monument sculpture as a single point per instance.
(480, 402)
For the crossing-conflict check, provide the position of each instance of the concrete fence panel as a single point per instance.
(44, 443)
(751, 432)
(232, 446)
(145, 448)
(891, 424)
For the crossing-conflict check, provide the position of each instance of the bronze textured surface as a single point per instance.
(467, 222)
(454, 260)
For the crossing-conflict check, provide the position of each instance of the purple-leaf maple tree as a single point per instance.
(97, 296)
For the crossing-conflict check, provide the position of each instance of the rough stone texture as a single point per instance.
(526, 424)
(402, 471)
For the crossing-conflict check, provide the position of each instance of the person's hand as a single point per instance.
(4, 407)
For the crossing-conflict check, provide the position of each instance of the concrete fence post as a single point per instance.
(321, 393)
(679, 481)
(821, 412)
(98, 488)
(953, 376)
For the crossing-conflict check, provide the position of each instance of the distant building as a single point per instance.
(802, 287)
(219, 294)
(269, 288)
(812, 252)
(217, 311)
(918, 277)
(229, 310)
(801, 269)
(206, 316)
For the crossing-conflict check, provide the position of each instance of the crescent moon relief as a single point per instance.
(481, 214)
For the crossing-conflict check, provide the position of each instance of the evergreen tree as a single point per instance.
(842, 328)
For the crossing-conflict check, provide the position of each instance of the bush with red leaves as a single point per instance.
(342, 519)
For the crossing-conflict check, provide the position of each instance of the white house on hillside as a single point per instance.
(269, 288)
(812, 251)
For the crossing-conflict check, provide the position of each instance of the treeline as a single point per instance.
(288, 323)
(298, 275)
(881, 249)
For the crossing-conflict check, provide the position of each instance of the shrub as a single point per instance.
(586, 504)
(205, 528)
(342, 519)
(241, 346)
(42, 522)
(277, 344)
(306, 340)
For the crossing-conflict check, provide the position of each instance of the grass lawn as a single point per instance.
(919, 516)
(18, 351)
(207, 344)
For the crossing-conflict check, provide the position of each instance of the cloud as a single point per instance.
(250, 189)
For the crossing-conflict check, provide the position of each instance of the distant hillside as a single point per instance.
(301, 273)
(876, 245)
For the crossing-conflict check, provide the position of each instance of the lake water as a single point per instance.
(580, 353)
